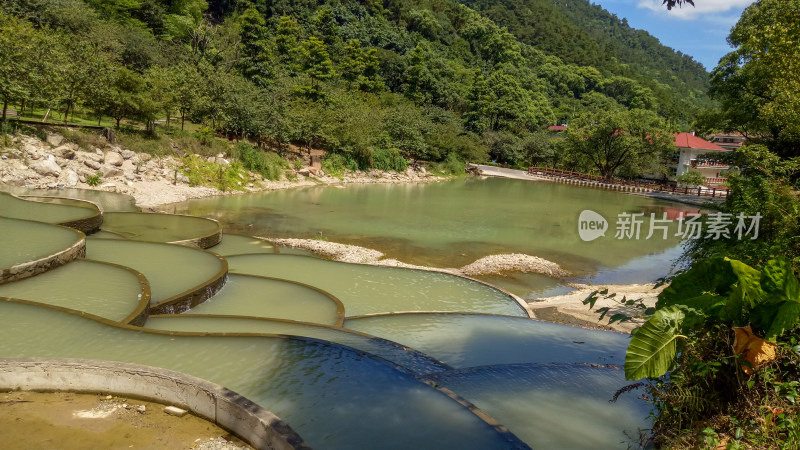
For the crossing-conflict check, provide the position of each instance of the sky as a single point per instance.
(698, 31)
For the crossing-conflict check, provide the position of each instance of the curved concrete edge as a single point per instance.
(517, 300)
(41, 265)
(340, 311)
(187, 300)
(227, 409)
(501, 429)
(204, 242)
(87, 225)
(142, 311)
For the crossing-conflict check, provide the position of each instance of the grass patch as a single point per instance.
(200, 172)
(268, 164)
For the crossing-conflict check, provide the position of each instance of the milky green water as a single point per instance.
(334, 398)
(556, 407)
(93, 287)
(170, 269)
(413, 361)
(104, 235)
(158, 227)
(17, 208)
(260, 297)
(447, 224)
(233, 244)
(108, 201)
(22, 241)
(478, 340)
(370, 289)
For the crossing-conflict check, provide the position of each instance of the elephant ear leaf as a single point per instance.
(713, 276)
(745, 295)
(779, 282)
(785, 319)
(653, 348)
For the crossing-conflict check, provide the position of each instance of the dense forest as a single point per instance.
(364, 80)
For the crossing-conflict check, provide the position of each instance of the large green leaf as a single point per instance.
(745, 294)
(785, 319)
(779, 281)
(712, 276)
(652, 349)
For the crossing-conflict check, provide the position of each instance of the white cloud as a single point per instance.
(702, 8)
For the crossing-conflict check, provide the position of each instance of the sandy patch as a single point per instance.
(572, 304)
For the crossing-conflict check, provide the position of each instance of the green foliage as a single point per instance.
(691, 178)
(758, 84)
(335, 164)
(223, 177)
(94, 180)
(388, 159)
(630, 141)
(653, 347)
(268, 164)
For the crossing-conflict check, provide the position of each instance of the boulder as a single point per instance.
(127, 154)
(47, 167)
(64, 151)
(92, 164)
(110, 172)
(71, 179)
(114, 158)
(304, 172)
(55, 139)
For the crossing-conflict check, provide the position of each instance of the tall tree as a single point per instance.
(758, 84)
(257, 63)
(610, 141)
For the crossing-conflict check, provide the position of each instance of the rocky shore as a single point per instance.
(55, 163)
(492, 264)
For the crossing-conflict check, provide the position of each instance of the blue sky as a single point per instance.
(700, 31)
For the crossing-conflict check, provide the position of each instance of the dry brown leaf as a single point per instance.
(756, 351)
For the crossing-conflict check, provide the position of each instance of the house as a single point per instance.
(729, 141)
(699, 155)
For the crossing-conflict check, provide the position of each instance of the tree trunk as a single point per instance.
(5, 109)
(118, 119)
(46, 114)
(183, 118)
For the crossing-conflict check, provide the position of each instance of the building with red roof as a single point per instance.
(699, 155)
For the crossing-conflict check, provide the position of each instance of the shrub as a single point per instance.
(452, 165)
(268, 164)
(223, 177)
(388, 159)
(93, 180)
(336, 163)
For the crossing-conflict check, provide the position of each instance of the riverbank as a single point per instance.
(28, 162)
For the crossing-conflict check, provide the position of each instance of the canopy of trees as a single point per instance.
(425, 78)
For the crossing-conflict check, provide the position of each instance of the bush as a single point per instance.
(388, 159)
(203, 173)
(268, 164)
(452, 165)
(691, 178)
(336, 163)
(84, 140)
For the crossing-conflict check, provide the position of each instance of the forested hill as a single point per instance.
(580, 32)
(367, 80)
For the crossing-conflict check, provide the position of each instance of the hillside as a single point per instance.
(374, 83)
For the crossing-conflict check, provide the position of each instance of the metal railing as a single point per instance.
(700, 191)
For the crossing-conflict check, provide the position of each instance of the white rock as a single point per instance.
(110, 172)
(113, 158)
(127, 154)
(141, 408)
(55, 139)
(71, 178)
(175, 411)
(92, 164)
(47, 167)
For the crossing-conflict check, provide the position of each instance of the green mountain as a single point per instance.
(367, 80)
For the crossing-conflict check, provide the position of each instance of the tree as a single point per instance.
(257, 63)
(286, 35)
(610, 141)
(758, 84)
(16, 39)
(313, 59)
(188, 94)
(121, 94)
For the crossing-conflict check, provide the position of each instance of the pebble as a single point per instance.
(175, 411)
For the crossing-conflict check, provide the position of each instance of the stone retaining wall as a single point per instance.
(229, 410)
